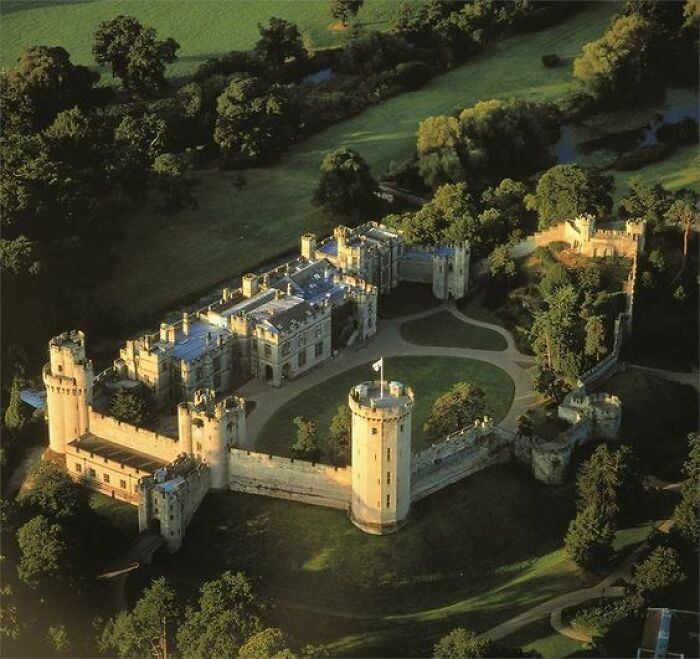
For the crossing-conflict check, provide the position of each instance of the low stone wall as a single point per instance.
(134, 438)
(286, 478)
(456, 457)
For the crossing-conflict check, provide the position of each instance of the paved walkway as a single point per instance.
(553, 608)
(390, 343)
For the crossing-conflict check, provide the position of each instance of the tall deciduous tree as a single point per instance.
(43, 551)
(305, 447)
(279, 42)
(656, 575)
(131, 405)
(345, 10)
(16, 415)
(227, 614)
(684, 215)
(339, 436)
(457, 408)
(147, 630)
(566, 191)
(346, 187)
(136, 56)
(50, 491)
(270, 643)
(589, 538)
(686, 515)
(461, 643)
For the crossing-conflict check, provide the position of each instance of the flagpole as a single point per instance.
(381, 384)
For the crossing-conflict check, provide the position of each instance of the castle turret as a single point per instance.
(308, 246)
(381, 456)
(68, 379)
(586, 224)
(208, 429)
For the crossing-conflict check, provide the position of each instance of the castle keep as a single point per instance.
(278, 325)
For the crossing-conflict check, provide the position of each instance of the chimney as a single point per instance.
(290, 288)
(185, 323)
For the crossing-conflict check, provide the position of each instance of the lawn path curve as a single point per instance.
(389, 343)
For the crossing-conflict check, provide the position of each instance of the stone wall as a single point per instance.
(417, 270)
(134, 438)
(286, 478)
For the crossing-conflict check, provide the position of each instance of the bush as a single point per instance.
(551, 60)
(599, 619)
(412, 75)
(643, 156)
(679, 133)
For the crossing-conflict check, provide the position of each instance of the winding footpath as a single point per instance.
(389, 342)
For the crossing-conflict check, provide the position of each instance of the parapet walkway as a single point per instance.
(389, 342)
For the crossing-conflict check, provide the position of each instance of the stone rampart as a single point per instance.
(417, 270)
(286, 478)
(134, 438)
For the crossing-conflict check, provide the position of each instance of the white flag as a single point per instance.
(378, 364)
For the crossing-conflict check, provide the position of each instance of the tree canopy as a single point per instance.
(461, 405)
(305, 447)
(279, 42)
(131, 405)
(43, 551)
(344, 10)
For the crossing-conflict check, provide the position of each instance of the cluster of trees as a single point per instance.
(608, 486)
(460, 406)
(462, 643)
(134, 405)
(228, 620)
(647, 45)
(487, 142)
(496, 216)
(306, 445)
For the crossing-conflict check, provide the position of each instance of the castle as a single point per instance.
(276, 326)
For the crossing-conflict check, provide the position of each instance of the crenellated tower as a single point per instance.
(68, 379)
(208, 429)
(381, 456)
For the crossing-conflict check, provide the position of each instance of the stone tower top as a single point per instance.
(381, 398)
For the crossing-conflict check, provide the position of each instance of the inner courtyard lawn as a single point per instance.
(167, 260)
(428, 376)
(444, 329)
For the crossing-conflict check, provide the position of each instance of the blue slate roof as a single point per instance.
(330, 247)
(200, 335)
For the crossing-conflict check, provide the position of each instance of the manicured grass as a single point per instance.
(657, 417)
(118, 515)
(406, 299)
(540, 637)
(166, 260)
(203, 29)
(429, 377)
(443, 329)
(472, 555)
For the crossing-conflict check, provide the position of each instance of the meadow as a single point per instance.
(429, 377)
(166, 260)
(443, 329)
(204, 29)
(473, 555)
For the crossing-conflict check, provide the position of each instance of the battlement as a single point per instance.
(378, 399)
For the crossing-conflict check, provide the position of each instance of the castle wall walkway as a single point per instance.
(389, 343)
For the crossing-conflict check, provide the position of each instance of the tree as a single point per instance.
(306, 445)
(43, 551)
(617, 67)
(683, 213)
(58, 638)
(655, 576)
(253, 121)
(339, 436)
(460, 406)
(344, 10)
(594, 343)
(131, 406)
(146, 630)
(16, 415)
(134, 53)
(589, 538)
(346, 186)
(566, 191)
(269, 643)
(170, 171)
(686, 514)
(43, 83)
(461, 643)
(438, 145)
(279, 42)
(51, 492)
(525, 426)
(644, 201)
(227, 614)
(609, 482)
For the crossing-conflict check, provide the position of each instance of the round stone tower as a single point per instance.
(68, 380)
(381, 455)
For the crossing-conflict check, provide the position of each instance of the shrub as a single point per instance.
(643, 156)
(599, 619)
(551, 60)
(679, 133)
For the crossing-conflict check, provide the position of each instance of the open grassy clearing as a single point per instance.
(203, 29)
(428, 376)
(443, 329)
(473, 555)
(164, 260)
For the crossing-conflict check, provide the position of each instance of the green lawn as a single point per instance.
(472, 555)
(164, 261)
(203, 29)
(428, 376)
(443, 329)
(540, 637)
(117, 514)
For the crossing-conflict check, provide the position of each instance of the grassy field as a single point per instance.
(443, 329)
(203, 29)
(473, 555)
(166, 260)
(428, 376)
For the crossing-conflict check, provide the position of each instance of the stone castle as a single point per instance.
(276, 326)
